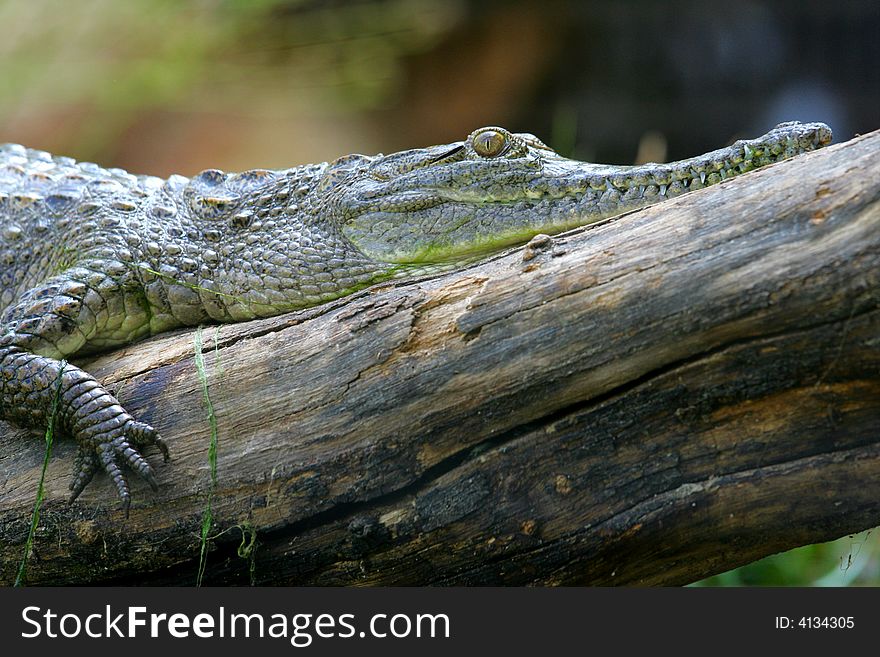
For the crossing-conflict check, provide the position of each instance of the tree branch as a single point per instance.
(649, 400)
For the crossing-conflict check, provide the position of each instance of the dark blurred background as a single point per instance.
(162, 86)
(167, 86)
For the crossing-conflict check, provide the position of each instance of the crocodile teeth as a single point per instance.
(702, 177)
(662, 190)
(747, 152)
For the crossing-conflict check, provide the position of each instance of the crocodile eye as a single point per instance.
(489, 143)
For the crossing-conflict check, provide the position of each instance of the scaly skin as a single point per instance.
(93, 258)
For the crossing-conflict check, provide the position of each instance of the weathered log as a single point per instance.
(649, 400)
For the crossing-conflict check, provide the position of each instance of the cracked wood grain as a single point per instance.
(648, 400)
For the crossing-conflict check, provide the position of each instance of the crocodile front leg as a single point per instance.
(47, 324)
(108, 436)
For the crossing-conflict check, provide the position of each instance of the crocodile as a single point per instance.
(94, 258)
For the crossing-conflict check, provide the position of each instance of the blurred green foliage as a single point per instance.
(150, 52)
(848, 561)
(110, 62)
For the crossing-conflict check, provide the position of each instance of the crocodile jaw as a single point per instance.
(439, 210)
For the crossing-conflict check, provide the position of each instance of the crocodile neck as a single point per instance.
(252, 244)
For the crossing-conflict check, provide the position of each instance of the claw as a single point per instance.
(135, 461)
(110, 439)
(163, 447)
(143, 435)
(108, 459)
(150, 478)
(85, 466)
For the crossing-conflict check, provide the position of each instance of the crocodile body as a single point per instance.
(93, 258)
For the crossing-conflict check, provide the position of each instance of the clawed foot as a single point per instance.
(111, 450)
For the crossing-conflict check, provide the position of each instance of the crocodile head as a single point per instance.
(497, 188)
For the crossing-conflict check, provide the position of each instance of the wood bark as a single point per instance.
(648, 400)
